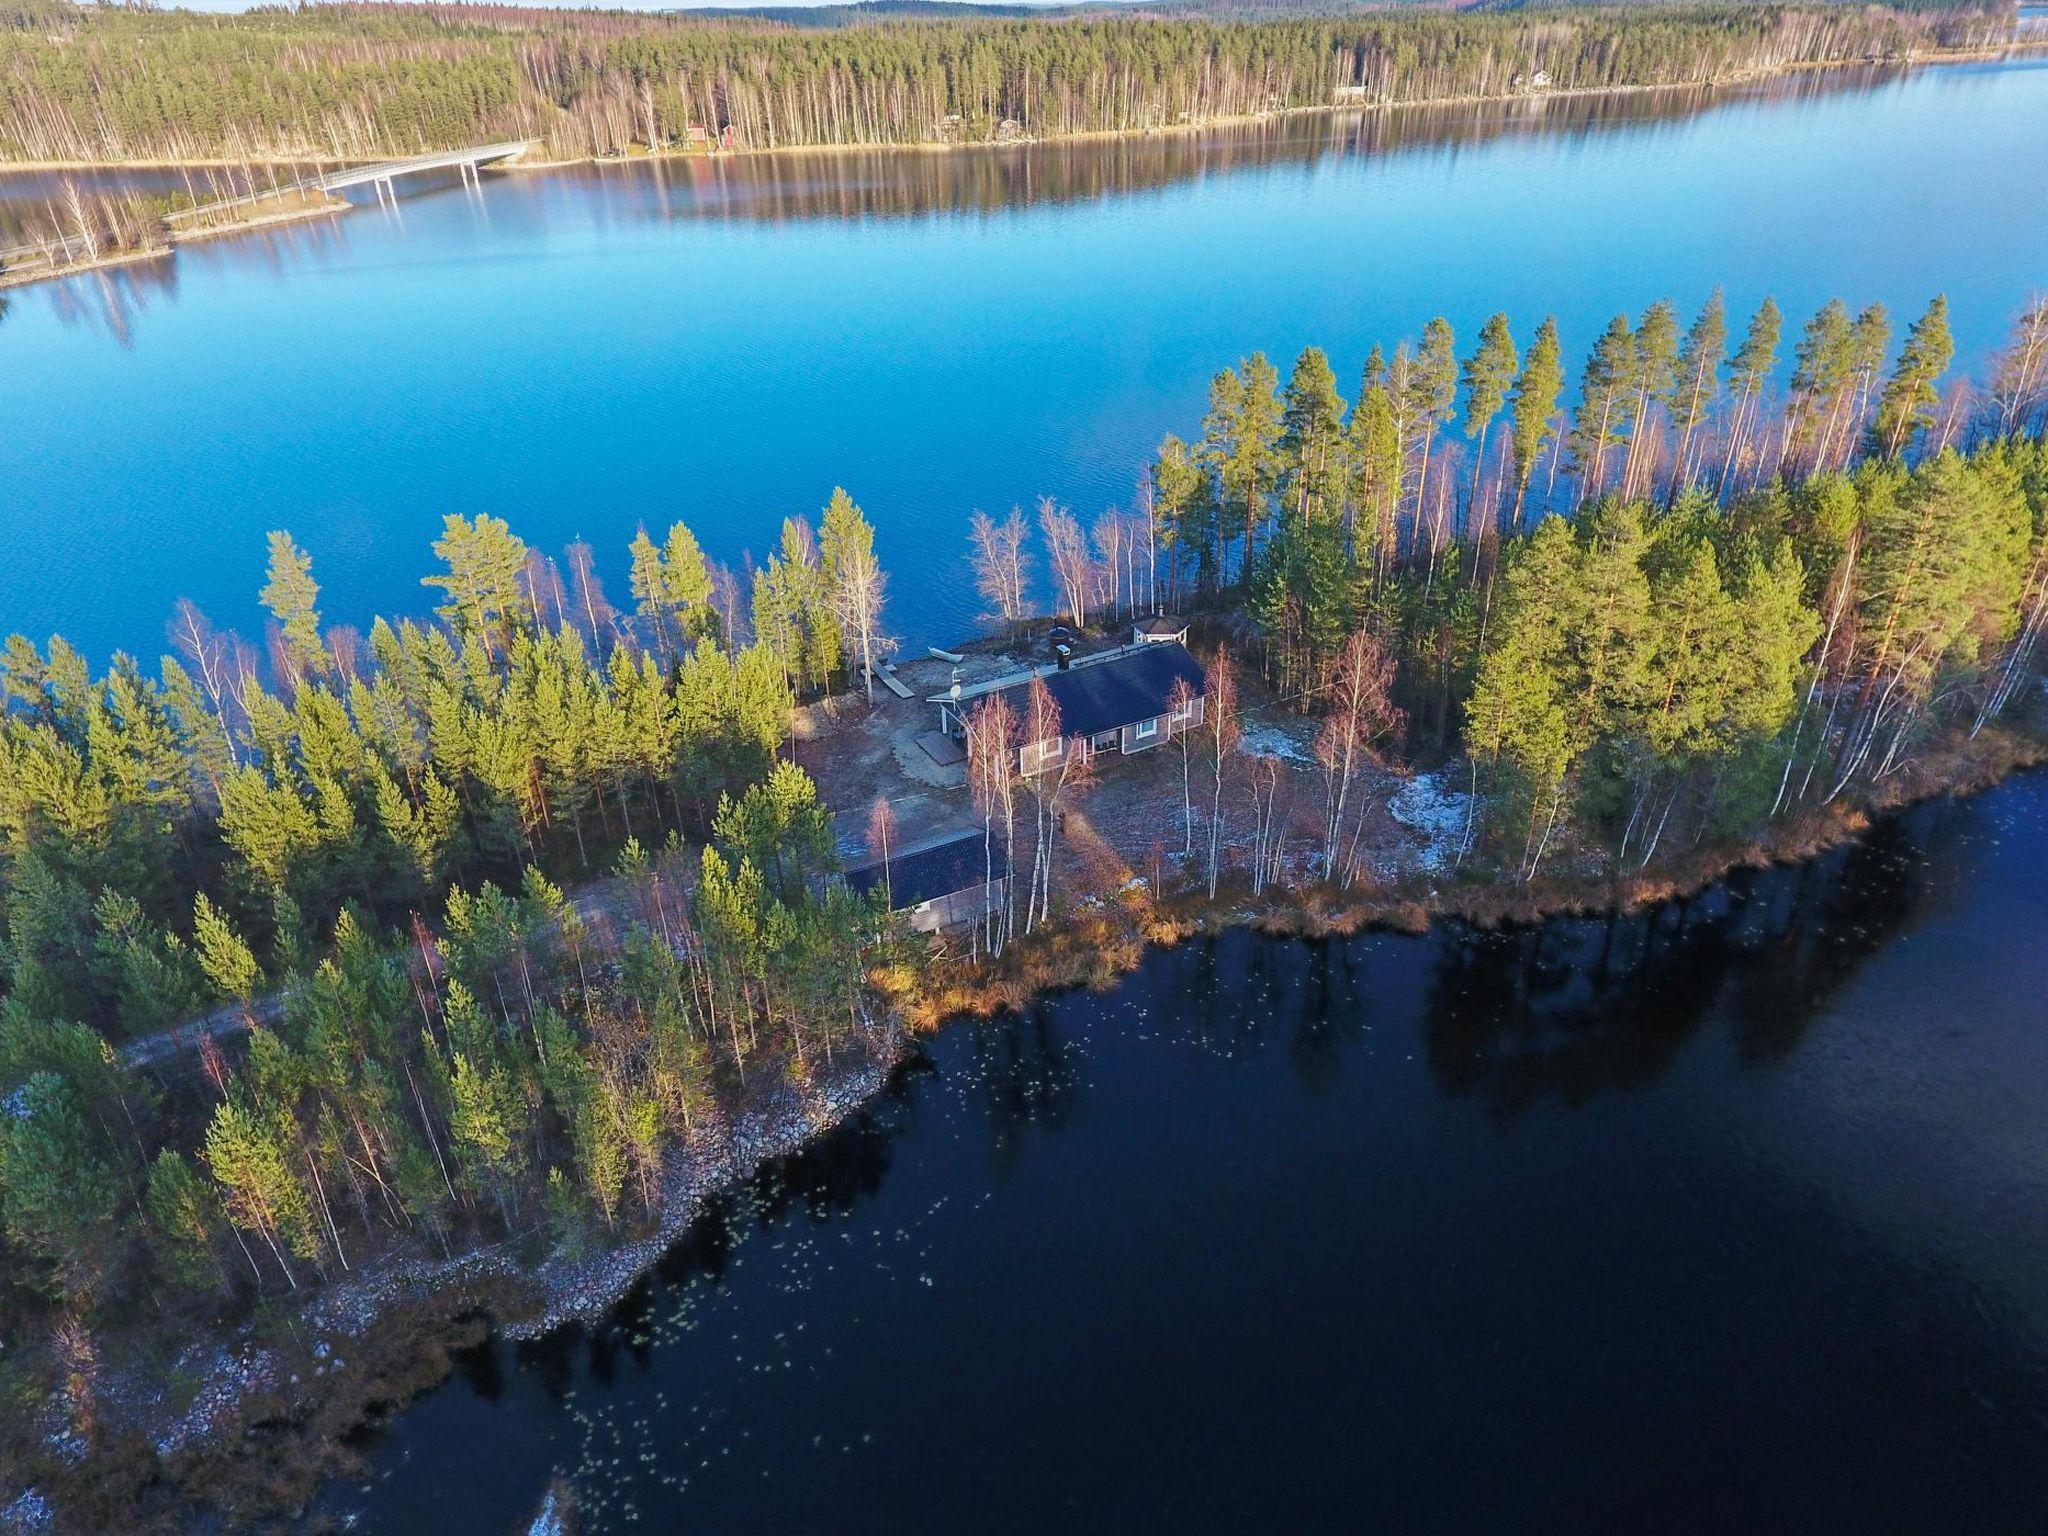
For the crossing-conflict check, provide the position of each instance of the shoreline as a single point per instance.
(540, 162)
(174, 238)
(402, 1314)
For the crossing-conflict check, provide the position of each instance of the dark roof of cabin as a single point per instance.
(1106, 695)
(1163, 624)
(928, 873)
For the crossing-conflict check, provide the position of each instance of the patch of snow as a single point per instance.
(1428, 806)
(1271, 741)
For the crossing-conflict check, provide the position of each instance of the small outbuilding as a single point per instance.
(956, 881)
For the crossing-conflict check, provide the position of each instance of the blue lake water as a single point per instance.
(583, 350)
(1732, 1217)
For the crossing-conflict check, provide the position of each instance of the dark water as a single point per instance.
(581, 351)
(1730, 1218)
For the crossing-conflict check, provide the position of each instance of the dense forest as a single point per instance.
(1758, 598)
(109, 84)
(469, 925)
(340, 865)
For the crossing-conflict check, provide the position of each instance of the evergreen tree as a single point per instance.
(1823, 382)
(61, 1196)
(1534, 406)
(854, 582)
(224, 956)
(184, 1216)
(1432, 398)
(1749, 374)
(1489, 374)
(292, 598)
(1906, 407)
(1604, 396)
(1240, 444)
(1653, 378)
(1185, 511)
(1697, 382)
(486, 562)
(1312, 440)
(1375, 454)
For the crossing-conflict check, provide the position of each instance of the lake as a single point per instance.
(582, 350)
(1733, 1216)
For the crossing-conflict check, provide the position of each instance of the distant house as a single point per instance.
(1121, 701)
(950, 882)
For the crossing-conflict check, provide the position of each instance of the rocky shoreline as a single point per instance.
(240, 1376)
(242, 1379)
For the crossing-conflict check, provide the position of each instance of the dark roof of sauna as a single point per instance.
(1107, 695)
(925, 874)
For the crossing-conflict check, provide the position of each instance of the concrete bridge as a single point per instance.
(384, 173)
(381, 174)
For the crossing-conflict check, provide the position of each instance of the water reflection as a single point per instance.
(1267, 1170)
(868, 183)
(1029, 1078)
(854, 184)
(1572, 1010)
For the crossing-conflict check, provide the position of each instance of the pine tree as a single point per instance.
(292, 598)
(1749, 374)
(1653, 378)
(1906, 407)
(1183, 508)
(1697, 382)
(1432, 398)
(1604, 397)
(248, 1154)
(854, 581)
(1311, 440)
(1489, 374)
(688, 585)
(1823, 380)
(1534, 406)
(1240, 443)
(486, 562)
(1374, 451)
(224, 956)
(61, 1198)
(184, 1216)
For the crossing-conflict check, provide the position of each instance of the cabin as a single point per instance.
(1118, 701)
(1161, 628)
(956, 881)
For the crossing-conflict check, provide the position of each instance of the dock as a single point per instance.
(886, 676)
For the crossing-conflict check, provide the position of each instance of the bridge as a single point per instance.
(381, 174)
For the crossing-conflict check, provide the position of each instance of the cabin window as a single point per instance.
(1147, 728)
